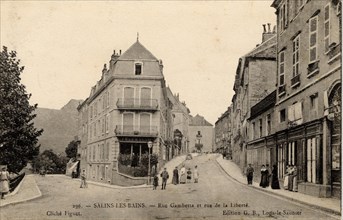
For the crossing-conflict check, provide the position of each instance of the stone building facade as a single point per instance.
(201, 132)
(223, 133)
(261, 138)
(308, 101)
(254, 80)
(181, 120)
(127, 108)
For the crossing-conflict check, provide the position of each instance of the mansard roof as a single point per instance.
(137, 52)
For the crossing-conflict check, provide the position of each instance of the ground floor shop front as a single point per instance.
(314, 148)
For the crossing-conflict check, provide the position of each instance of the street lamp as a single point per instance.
(149, 174)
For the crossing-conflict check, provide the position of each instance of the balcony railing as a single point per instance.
(313, 68)
(137, 104)
(282, 89)
(295, 81)
(129, 130)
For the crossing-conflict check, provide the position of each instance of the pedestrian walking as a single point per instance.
(83, 180)
(250, 174)
(165, 177)
(189, 175)
(275, 180)
(183, 175)
(175, 179)
(264, 177)
(155, 182)
(196, 174)
(4, 182)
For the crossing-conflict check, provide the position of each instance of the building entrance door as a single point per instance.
(335, 109)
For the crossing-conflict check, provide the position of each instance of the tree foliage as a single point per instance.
(71, 150)
(18, 136)
(51, 162)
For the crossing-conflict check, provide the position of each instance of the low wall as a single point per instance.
(124, 180)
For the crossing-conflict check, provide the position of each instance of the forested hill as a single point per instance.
(60, 126)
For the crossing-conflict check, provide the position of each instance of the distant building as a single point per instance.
(201, 132)
(308, 97)
(223, 133)
(181, 119)
(255, 79)
(127, 108)
(59, 125)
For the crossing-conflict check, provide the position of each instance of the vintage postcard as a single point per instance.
(170, 109)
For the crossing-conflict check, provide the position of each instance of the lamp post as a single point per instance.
(149, 174)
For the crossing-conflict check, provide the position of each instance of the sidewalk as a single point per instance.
(325, 204)
(27, 190)
(170, 165)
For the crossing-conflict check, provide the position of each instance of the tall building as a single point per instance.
(308, 95)
(127, 108)
(223, 133)
(254, 80)
(201, 135)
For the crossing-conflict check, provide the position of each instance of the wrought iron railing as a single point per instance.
(15, 181)
(282, 89)
(312, 68)
(295, 80)
(144, 104)
(130, 130)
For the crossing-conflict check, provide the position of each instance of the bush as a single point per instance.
(145, 159)
(125, 159)
(140, 172)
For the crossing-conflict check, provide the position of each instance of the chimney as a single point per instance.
(268, 27)
(267, 34)
(161, 65)
(114, 58)
(104, 70)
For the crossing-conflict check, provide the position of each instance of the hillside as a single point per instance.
(60, 126)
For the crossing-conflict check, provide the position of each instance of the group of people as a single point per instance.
(267, 178)
(291, 179)
(182, 177)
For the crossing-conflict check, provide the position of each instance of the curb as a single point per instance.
(26, 199)
(331, 211)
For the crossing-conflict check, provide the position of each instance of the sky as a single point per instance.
(64, 45)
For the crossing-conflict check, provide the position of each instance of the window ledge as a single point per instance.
(314, 61)
(295, 85)
(314, 72)
(282, 93)
(334, 58)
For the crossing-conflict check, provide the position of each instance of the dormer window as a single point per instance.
(138, 68)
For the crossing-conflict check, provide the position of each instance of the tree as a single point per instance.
(51, 162)
(18, 136)
(71, 150)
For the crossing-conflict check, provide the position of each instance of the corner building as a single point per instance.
(127, 108)
(308, 100)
